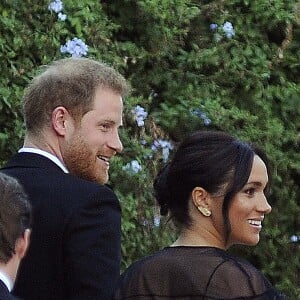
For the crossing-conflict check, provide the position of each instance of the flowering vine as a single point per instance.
(76, 47)
(57, 6)
(202, 115)
(163, 145)
(140, 115)
(225, 30)
(133, 167)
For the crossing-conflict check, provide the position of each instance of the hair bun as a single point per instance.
(161, 190)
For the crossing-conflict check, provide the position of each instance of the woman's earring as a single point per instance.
(204, 211)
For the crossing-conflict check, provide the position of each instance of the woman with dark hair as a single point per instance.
(214, 190)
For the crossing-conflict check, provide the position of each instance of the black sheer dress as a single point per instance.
(194, 273)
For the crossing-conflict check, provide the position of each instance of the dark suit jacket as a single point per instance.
(4, 292)
(74, 251)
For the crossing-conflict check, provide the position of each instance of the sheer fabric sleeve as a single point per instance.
(237, 279)
(190, 273)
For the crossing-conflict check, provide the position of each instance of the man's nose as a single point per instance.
(115, 143)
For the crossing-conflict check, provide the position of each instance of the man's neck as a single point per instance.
(47, 143)
(49, 155)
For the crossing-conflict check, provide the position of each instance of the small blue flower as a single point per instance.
(213, 26)
(164, 145)
(140, 115)
(56, 6)
(197, 112)
(62, 16)
(295, 238)
(156, 221)
(155, 146)
(207, 121)
(76, 47)
(228, 30)
(133, 166)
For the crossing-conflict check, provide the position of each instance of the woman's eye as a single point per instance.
(250, 191)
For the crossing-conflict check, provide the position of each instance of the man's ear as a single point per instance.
(22, 244)
(59, 117)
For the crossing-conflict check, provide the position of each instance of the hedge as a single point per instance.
(230, 65)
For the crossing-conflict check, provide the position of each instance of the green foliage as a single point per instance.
(187, 77)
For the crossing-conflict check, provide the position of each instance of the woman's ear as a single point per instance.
(200, 198)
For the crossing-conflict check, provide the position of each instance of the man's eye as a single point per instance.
(104, 127)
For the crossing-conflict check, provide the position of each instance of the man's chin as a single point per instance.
(102, 179)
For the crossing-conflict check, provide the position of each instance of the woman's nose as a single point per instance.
(264, 205)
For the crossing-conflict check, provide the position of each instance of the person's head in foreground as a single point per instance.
(15, 221)
(214, 189)
(73, 110)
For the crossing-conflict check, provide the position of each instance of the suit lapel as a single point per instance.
(4, 292)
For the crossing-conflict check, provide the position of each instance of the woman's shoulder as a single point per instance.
(150, 263)
(234, 275)
(213, 261)
(233, 268)
(198, 271)
(141, 277)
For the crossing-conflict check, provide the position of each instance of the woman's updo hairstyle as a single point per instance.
(161, 190)
(213, 160)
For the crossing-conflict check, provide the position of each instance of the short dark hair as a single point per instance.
(15, 215)
(71, 83)
(213, 160)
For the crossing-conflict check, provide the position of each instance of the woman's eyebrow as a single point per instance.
(256, 183)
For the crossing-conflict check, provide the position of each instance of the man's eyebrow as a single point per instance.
(110, 122)
(107, 121)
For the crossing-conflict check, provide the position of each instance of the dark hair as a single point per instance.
(68, 82)
(213, 160)
(15, 215)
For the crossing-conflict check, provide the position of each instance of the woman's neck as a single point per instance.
(195, 237)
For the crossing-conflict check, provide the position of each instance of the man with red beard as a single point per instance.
(73, 111)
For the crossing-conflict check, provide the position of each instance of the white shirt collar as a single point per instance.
(6, 280)
(45, 154)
